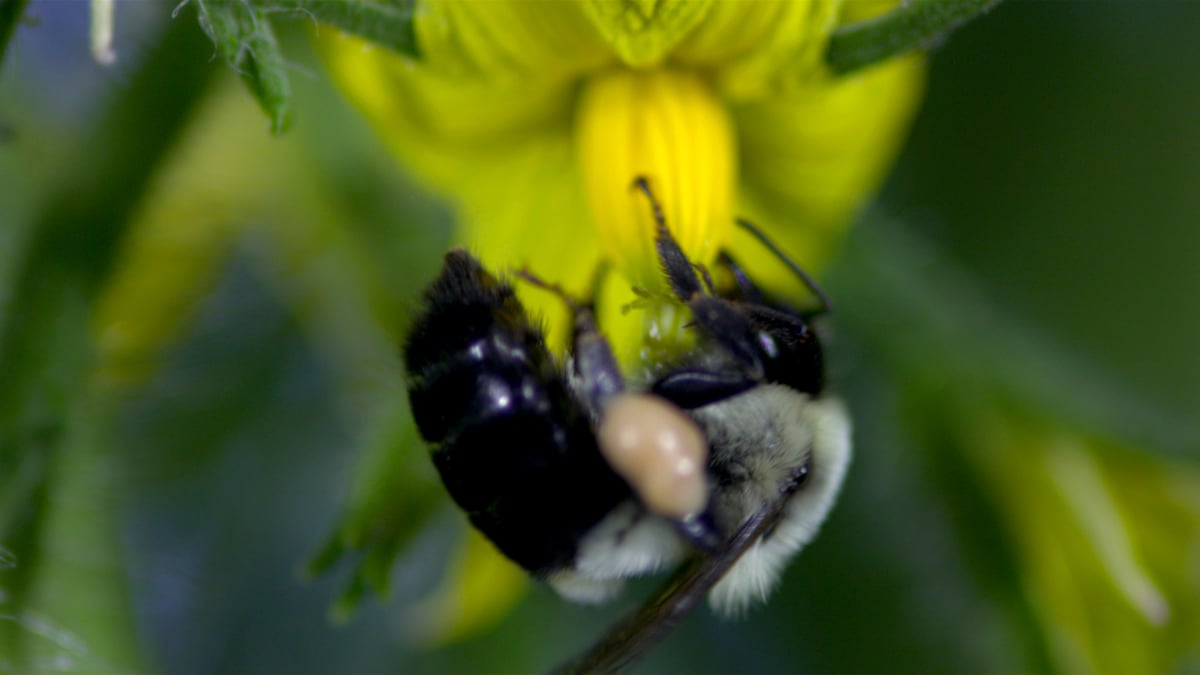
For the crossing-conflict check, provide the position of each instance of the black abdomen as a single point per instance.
(512, 445)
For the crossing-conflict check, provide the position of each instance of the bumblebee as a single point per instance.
(585, 479)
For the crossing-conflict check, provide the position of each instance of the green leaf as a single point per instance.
(241, 31)
(914, 25)
(385, 23)
(244, 38)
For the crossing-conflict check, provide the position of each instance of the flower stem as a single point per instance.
(915, 25)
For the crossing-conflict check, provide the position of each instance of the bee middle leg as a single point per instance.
(596, 380)
(719, 318)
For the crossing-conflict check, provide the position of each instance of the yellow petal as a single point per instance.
(757, 48)
(442, 126)
(642, 32)
(526, 209)
(862, 10)
(812, 156)
(498, 148)
(507, 39)
(668, 126)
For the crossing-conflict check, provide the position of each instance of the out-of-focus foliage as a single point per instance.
(198, 325)
(243, 34)
(53, 431)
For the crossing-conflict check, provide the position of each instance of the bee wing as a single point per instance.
(644, 628)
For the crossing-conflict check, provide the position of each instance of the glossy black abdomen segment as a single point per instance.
(513, 447)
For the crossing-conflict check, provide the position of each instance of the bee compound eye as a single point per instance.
(767, 342)
(659, 451)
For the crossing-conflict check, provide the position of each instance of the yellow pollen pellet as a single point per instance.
(659, 451)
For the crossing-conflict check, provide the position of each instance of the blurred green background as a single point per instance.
(1033, 259)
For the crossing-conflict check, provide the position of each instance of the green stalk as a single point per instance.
(51, 428)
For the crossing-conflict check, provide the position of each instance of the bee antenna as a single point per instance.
(825, 305)
(642, 184)
(704, 275)
(536, 281)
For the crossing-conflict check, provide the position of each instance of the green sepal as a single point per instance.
(389, 24)
(244, 38)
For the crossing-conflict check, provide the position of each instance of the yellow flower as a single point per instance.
(534, 118)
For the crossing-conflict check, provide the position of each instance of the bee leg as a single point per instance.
(716, 316)
(596, 380)
(594, 364)
(694, 388)
(701, 531)
(731, 328)
(708, 282)
(750, 293)
(680, 273)
(595, 373)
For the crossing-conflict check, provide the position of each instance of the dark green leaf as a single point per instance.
(914, 25)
